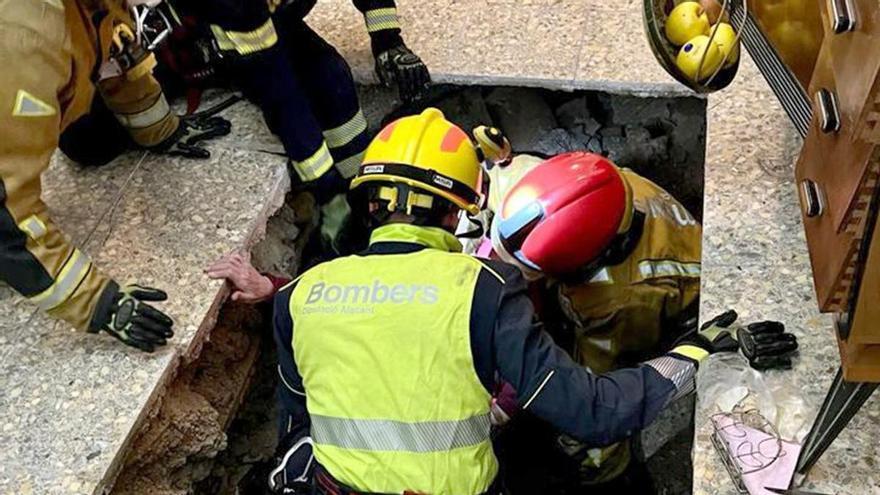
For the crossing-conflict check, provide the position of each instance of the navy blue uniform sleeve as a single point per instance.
(595, 409)
(293, 416)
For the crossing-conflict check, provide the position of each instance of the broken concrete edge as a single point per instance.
(624, 88)
(183, 357)
(256, 234)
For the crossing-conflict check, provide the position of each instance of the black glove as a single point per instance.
(399, 65)
(128, 318)
(765, 344)
(191, 133)
(718, 334)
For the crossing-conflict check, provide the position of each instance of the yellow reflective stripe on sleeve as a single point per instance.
(344, 134)
(380, 19)
(33, 227)
(668, 268)
(28, 105)
(262, 38)
(74, 270)
(691, 351)
(316, 165)
(156, 113)
(348, 168)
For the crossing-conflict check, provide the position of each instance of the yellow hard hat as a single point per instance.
(428, 153)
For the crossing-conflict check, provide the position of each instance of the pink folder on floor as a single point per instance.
(764, 460)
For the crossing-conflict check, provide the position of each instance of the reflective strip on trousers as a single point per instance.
(398, 436)
(668, 268)
(380, 19)
(316, 165)
(344, 134)
(246, 42)
(146, 118)
(72, 273)
(348, 168)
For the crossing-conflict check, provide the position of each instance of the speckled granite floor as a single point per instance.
(69, 402)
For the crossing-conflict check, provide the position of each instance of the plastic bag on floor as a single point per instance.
(726, 382)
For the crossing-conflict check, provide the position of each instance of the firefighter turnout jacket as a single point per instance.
(626, 312)
(387, 360)
(54, 51)
(624, 308)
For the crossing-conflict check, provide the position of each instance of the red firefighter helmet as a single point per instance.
(563, 214)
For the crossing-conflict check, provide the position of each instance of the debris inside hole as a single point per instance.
(215, 428)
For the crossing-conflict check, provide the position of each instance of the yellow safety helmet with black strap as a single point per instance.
(422, 157)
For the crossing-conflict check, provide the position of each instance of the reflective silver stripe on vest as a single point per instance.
(386, 435)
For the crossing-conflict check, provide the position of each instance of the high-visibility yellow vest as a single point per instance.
(383, 346)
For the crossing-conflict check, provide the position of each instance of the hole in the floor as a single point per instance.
(217, 422)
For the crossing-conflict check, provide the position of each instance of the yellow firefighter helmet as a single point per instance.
(428, 154)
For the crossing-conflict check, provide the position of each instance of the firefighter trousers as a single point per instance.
(303, 86)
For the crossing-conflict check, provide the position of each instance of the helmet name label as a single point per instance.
(373, 169)
(443, 181)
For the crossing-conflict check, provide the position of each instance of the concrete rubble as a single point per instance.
(663, 138)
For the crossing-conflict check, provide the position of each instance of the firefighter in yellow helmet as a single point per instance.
(59, 55)
(388, 358)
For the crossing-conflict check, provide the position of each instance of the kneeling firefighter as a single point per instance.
(622, 260)
(305, 88)
(388, 358)
(63, 55)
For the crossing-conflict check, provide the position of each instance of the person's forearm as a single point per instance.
(595, 409)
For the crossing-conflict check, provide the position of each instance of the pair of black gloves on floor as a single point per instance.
(765, 344)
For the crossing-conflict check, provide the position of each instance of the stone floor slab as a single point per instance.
(469, 40)
(615, 55)
(69, 402)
